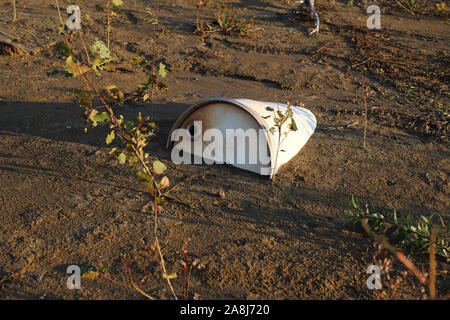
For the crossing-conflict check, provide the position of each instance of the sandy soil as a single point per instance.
(63, 201)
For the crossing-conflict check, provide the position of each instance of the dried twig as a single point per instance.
(405, 8)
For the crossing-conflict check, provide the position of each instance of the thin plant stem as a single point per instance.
(59, 13)
(14, 10)
(405, 8)
(365, 112)
(432, 258)
(84, 46)
(188, 279)
(184, 284)
(108, 19)
(153, 62)
(163, 265)
(279, 143)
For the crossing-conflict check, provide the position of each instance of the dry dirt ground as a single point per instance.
(63, 201)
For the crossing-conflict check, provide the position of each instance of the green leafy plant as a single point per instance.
(152, 82)
(226, 21)
(154, 20)
(284, 123)
(414, 239)
(130, 136)
(371, 221)
(229, 24)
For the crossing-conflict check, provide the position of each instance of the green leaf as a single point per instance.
(377, 216)
(269, 109)
(293, 125)
(139, 61)
(117, 3)
(427, 221)
(354, 202)
(84, 98)
(101, 117)
(110, 137)
(88, 272)
(150, 188)
(142, 176)
(64, 49)
(122, 157)
(115, 93)
(100, 49)
(159, 167)
(129, 126)
(89, 275)
(73, 67)
(132, 160)
(61, 29)
(149, 78)
(162, 70)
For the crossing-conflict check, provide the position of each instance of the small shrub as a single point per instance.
(414, 239)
